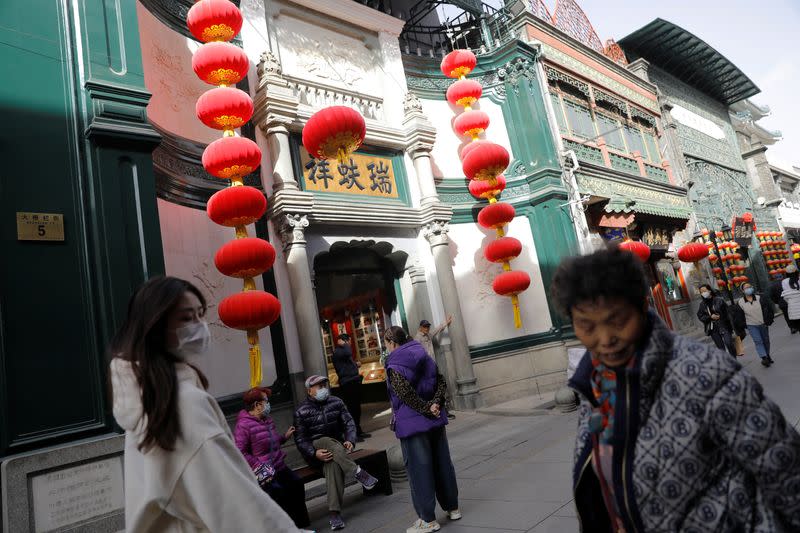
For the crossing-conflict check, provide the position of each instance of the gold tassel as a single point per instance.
(517, 316)
(255, 359)
(241, 232)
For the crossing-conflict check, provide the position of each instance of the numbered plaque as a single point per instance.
(40, 226)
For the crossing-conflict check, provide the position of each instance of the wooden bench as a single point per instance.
(373, 461)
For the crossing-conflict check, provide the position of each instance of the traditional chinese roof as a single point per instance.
(690, 59)
(570, 18)
(621, 205)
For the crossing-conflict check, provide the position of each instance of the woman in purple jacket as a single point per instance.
(417, 392)
(260, 442)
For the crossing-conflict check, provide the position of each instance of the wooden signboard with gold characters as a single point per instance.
(362, 175)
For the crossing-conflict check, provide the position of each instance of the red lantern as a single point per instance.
(637, 248)
(720, 284)
(214, 20)
(224, 108)
(471, 123)
(496, 215)
(692, 252)
(485, 189)
(231, 157)
(464, 93)
(503, 250)
(245, 258)
(713, 258)
(249, 310)
(334, 132)
(484, 162)
(236, 206)
(717, 271)
(747, 217)
(220, 63)
(511, 283)
(458, 63)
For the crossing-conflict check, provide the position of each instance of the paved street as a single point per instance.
(514, 470)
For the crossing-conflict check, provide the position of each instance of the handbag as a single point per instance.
(264, 474)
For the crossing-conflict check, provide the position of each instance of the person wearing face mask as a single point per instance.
(756, 314)
(790, 294)
(260, 442)
(180, 459)
(713, 313)
(673, 434)
(325, 434)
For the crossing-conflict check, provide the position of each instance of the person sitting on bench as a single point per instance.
(325, 433)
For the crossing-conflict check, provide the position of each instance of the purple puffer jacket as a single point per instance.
(259, 440)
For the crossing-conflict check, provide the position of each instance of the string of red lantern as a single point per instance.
(483, 163)
(217, 62)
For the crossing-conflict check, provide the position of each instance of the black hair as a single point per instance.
(711, 289)
(609, 274)
(793, 280)
(142, 340)
(397, 335)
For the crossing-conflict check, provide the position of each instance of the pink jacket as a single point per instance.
(259, 440)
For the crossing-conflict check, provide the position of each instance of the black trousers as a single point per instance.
(723, 339)
(350, 394)
(288, 492)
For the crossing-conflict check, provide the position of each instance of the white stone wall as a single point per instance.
(489, 317)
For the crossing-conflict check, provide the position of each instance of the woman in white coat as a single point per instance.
(183, 472)
(791, 295)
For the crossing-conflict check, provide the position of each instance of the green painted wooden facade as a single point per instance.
(76, 142)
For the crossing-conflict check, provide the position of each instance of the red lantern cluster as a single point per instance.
(483, 163)
(776, 256)
(729, 260)
(217, 62)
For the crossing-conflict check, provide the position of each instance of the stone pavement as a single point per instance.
(514, 466)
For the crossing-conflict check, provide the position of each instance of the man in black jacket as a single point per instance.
(325, 434)
(349, 381)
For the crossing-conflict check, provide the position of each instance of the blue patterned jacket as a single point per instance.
(697, 446)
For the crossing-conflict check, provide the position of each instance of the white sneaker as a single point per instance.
(421, 526)
(455, 514)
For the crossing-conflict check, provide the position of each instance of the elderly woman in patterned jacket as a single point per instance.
(673, 435)
(325, 433)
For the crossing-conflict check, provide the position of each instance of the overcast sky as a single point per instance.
(762, 38)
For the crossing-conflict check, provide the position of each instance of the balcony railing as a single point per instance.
(599, 154)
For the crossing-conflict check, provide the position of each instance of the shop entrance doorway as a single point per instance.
(357, 294)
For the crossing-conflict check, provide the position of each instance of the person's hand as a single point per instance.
(348, 446)
(289, 432)
(324, 455)
(449, 319)
(715, 317)
(436, 410)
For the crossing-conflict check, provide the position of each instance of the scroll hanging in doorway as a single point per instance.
(231, 158)
(483, 163)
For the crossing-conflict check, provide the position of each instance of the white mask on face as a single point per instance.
(193, 339)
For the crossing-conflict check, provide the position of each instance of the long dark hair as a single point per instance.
(793, 280)
(397, 335)
(142, 340)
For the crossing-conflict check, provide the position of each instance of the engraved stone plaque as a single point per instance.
(76, 494)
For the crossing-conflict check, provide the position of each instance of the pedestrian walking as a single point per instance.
(673, 434)
(259, 440)
(791, 295)
(713, 313)
(756, 314)
(775, 290)
(349, 381)
(417, 393)
(325, 433)
(182, 469)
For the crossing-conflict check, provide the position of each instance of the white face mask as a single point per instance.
(193, 339)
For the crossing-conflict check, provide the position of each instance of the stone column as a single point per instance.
(420, 136)
(281, 157)
(305, 302)
(467, 395)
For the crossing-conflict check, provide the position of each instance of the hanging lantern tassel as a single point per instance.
(255, 358)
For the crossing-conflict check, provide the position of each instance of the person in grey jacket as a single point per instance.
(673, 435)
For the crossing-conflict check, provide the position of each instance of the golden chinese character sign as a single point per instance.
(363, 175)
